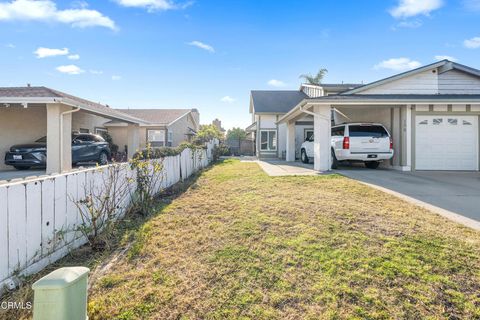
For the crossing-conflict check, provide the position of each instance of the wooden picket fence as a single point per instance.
(38, 217)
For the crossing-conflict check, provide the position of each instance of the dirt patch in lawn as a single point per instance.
(241, 245)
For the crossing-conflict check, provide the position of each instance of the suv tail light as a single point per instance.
(391, 143)
(346, 142)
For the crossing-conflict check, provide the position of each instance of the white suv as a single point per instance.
(370, 143)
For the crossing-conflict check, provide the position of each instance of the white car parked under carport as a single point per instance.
(370, 143)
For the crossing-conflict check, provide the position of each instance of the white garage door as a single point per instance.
(446, 143)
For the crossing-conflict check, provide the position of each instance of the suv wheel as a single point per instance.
(303, 156)
(372, 164)
(334, 160)
(103, 158)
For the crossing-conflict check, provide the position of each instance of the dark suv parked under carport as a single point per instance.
(85, 148)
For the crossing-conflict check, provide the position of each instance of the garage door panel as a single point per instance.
(446, 142)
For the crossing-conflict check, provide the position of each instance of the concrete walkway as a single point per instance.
(277, 168)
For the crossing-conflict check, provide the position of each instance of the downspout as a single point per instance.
(61, 134)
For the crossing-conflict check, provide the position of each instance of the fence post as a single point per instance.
(62, 294)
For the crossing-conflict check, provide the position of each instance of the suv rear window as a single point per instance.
(367, 131)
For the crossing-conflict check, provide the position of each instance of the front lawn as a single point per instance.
(240, 244)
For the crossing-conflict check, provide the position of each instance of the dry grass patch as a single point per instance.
(240, 244)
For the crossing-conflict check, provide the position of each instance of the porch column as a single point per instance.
(133, 139)
(290, 141)
(322, 138)
(59, 138)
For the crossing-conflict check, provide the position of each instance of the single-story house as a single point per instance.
(432, 113)
(29, 113)
(161, 127)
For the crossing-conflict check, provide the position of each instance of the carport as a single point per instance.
(25, 110)
(407, 117)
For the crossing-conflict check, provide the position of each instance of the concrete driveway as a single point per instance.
(458, 192)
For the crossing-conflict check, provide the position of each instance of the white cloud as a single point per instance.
(116, 78)
(276, 83)
(410, 24)
(70, 69)
(73, 57)
(227, 99)
(202, 45)
(153, 5)
(472, 43)
(10, 45)
(411, 8)
(42, 52)
(398, 64)
(440, 57)
(47, 11)
(95, 71)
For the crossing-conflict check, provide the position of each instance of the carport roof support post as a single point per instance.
(322, 137)
(54, 130)
(133, 139)
(290, 145)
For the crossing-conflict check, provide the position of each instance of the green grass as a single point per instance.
(239, 244)
(242, 245)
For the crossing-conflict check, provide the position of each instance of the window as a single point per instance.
(156, 138)
(467, 123)
(268, 140)
(367, 131)
(85, 138)
(338, 131)
(100, 130)
(424, 122)
(170, 138)
(437, 121)
(308, 133)
(453, 122)
(83, 130)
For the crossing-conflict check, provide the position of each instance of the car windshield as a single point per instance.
(367, 131)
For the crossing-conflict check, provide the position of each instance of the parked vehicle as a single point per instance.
(85, 148)
(370, 143)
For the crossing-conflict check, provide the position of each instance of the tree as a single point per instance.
(236, 134)
(315, 80)
(208, 132)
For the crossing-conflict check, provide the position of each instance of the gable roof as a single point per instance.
(47, 95)
(444, 65)
(275, 101)
(157, 116)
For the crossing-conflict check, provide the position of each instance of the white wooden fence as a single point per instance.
(38, 217)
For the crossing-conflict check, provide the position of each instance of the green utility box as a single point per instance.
(61, 295)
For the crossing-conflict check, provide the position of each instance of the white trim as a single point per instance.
(440, 108)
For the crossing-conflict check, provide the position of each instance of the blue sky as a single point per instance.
(210, 54)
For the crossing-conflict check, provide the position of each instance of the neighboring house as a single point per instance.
(432, 113)
(267, 107)
(162, 127)
(29, 113)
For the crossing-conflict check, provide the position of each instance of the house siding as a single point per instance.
(180, 129)
(422, 83)
(458, 82)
